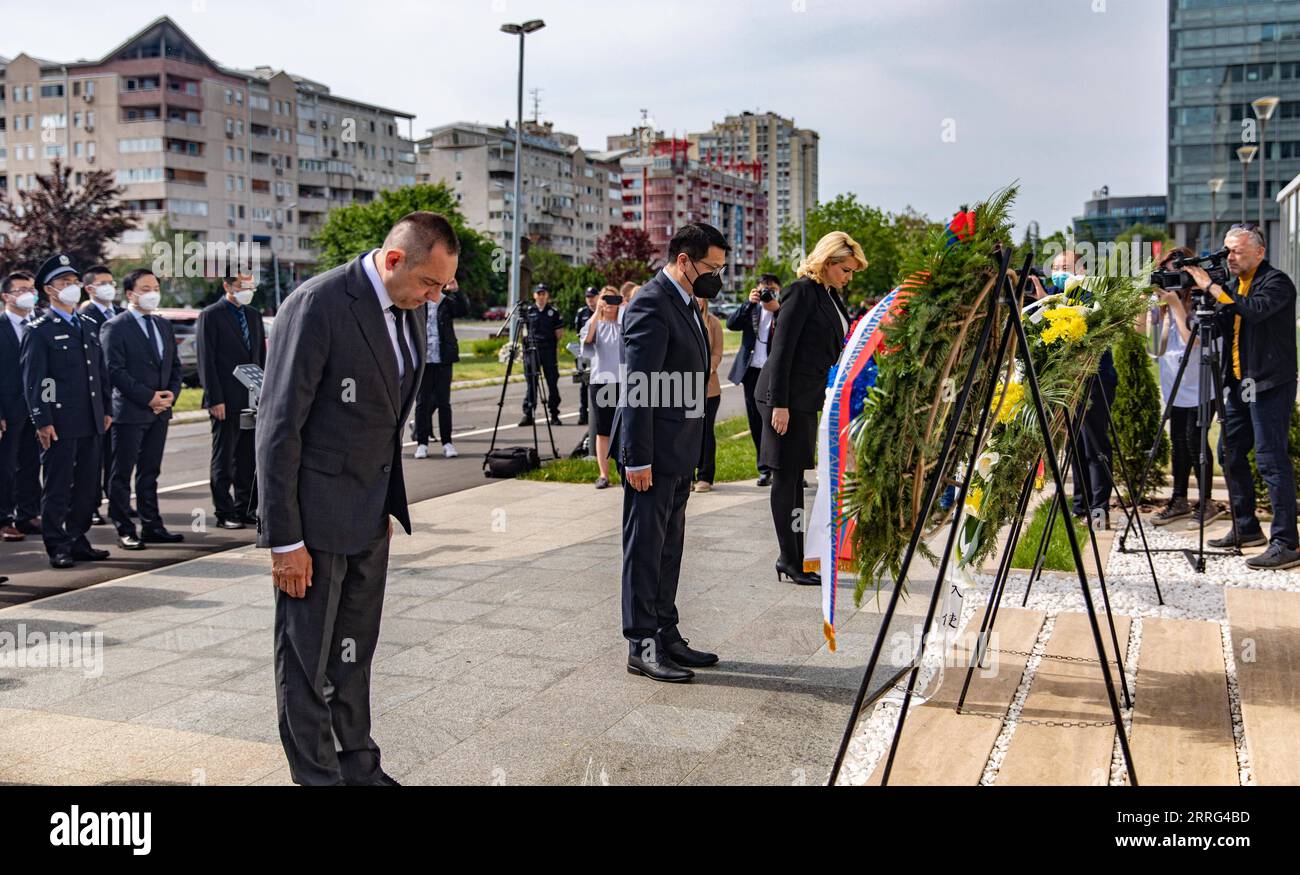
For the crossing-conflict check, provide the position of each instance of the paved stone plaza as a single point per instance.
(501, 659)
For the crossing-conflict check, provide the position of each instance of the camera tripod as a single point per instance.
(518, 321)
(1209, 403)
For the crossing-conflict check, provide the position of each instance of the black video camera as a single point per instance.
(1176, 278)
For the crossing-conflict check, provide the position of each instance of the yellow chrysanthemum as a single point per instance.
(1064, 323)
(1015, 396)
(974, 498)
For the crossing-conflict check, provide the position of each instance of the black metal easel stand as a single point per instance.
(1005, 294)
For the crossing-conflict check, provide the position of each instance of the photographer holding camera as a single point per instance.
(1256, 318)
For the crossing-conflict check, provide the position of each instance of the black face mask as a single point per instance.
(706, 285)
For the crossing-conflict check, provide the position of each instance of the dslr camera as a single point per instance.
(1176, 279)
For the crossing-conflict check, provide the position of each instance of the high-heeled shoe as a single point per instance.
(799, 577)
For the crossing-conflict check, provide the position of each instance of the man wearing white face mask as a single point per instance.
(145, 370)
(20, 463)
(63, 379)
(230, 333)
(100, 307)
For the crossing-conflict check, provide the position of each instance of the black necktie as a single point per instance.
(153, 337)
(243, 328)
(408, 376)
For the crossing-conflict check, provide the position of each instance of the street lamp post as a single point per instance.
(522, 30)
(1264, 108)
(1245, 154)
(275, 261)
(1215, 185)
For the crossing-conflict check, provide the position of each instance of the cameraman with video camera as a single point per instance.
(1255, 313)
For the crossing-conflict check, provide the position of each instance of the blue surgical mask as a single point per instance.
(1059, 279)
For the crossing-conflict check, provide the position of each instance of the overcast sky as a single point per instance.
(1064, 95)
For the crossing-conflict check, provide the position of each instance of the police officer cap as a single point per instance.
(592, 291)
(53, 267)
(541, 287)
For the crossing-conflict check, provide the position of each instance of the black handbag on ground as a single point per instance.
(510, 462)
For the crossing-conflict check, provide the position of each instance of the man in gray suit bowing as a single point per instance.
(344, 362)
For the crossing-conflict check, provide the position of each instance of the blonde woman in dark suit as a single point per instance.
(792, 385)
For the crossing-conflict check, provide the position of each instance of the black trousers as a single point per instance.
(1094, 446)
(20, 473)
(708, 467)
(138, 449)
(1260, 423)
(324, 644)
(233, 465)
(549, 368)
(788, 514)
(71, 469)
(747, 383)
(654, 534)
(1185, 441)
(434, 394)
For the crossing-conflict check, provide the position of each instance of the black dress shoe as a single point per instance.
(160, 536)
(582, 420)
(130, 541)
(229, 524)
(527, 420)
(29, 527)
(764, 478)
(664, 670)
(681, 653)
(97, 520)
(62, 560)
(797, 576)
(555, 419)
(89, 554)
(1251, 539)
(249, 519)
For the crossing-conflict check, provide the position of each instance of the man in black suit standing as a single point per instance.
(657, 438)
(756, 319)
(20, 463)
(441, 352)
(229, 334)
(64, 381)
(144, 368)
(98, 309)
(341, 375)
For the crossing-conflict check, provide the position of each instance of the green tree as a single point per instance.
(884, 238)
(159, 255)
(354, 229)
(1136, 412)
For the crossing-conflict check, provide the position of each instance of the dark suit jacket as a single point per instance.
(663, 336)
(135, 369)
(90, 312)
(220, 347)
(1268, 354)
(64, 378)
(805, 345)
(746, 321)
(13, 407)
(329, 465)
(454, 306)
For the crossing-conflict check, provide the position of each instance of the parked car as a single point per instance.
(495, 314)
(184, 322)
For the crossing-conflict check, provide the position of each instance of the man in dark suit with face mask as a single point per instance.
(98, 308)
(657, 441)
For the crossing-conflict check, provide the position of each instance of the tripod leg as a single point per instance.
(1142, 532)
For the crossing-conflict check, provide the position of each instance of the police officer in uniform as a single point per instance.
(63, 378)
(99, 308)
(579, 322)
(545, 328)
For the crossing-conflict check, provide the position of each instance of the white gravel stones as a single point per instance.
(1187, 595)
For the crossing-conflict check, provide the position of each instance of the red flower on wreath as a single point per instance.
(962, 226)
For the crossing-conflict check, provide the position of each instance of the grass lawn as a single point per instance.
(1058, 549)
(735, 459)
(191, 399)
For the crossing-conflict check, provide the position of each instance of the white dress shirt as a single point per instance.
(19, 324)
(139, 320)
(762, 343)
